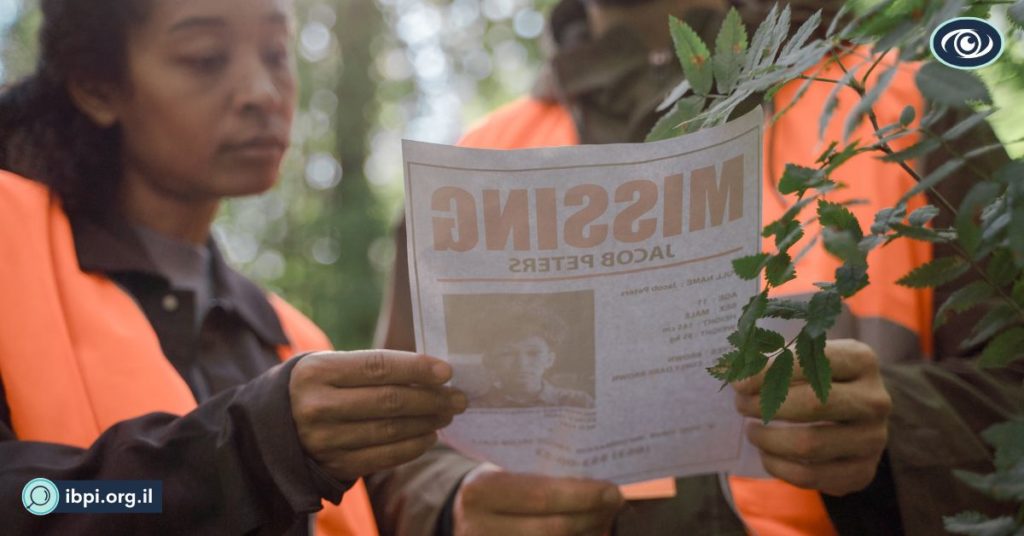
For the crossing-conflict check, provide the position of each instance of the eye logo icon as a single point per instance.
(966, 43)
(40, 496)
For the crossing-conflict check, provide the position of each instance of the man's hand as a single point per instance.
(360, 412)
(495, 503)
(839, 453)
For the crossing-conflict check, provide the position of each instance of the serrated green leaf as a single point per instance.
(978, 197)
(780, 270)
(730, 52)
(935, 236)
(840, 218)
(843, 245)
(952, 87)
(1004, 349)
(935, 273)
(963, 299)
(934, 178)
(867, 101)
(832, 101)
(1016, 13)
(810, 352)
(798, 179)
(851, 278)
(785, 309)
(976, 524)
(722, 368)
(671, 125)
(923, 215)
(918, 150)
(822, 311)
(1001, 269)
(786, 234)
(750, 267)
(1008, 440)
(1005, 485)
(693, 55)
(768, 341)
(997, 319)
(751, 312)
(776, 385)
(799, 39)
(886, 217)
(907, 116)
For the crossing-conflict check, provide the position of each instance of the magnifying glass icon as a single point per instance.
(39, 496)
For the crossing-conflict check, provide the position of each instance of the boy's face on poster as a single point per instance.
(519, 365)
(207, 106)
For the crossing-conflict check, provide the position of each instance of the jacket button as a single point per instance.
(170, 303)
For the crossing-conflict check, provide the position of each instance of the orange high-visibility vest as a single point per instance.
(773, 507)
(77, 355)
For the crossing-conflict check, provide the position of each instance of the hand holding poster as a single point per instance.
(581, 292)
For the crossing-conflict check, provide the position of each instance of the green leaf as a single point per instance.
(776, 385)
(722, 369)
(1001, 268)
(693, 55)
(1008, 440)
(851, 278)
(842, 245)
(967, 229)
(798, 179)
(839, 217)
(907, 116)
(886, 217)
(822, 311)
(750, 267)
(671, 125)
(1004, 349)
(799, 39)
(950, 86)
(1005, 485)
(923, 215)
(935, 236)
(976, 524)
(963, 299)
(810, 352)
(789, 237)
(934, 178)
(918, 150)
(1018, 290)
(785, 309)
(768, 341)
(866, 102)
(780, 270)
(832, 101)
(730, 52)
(751, 312)
(994, 321)
(1016, 13)
(935, 273)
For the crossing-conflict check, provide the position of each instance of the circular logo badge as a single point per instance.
(966, 43)
(40, 496)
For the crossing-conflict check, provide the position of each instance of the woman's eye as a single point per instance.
(276, 57)
(207, 64)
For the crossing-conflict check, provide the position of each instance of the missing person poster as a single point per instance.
(581, 292)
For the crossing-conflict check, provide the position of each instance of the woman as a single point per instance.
(128, 349)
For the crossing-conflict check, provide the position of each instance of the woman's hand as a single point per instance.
(495, 503)
(360, 412)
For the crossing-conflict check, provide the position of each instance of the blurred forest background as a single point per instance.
(372, 73)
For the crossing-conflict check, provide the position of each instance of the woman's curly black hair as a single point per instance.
(43, 135)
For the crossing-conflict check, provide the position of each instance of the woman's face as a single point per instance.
(210, 97)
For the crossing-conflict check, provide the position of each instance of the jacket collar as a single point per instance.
(109, 246)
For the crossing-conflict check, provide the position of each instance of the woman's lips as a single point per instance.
(261, 148)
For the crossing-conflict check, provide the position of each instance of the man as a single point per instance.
(611, 67)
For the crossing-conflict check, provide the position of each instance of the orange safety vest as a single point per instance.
(773, 507)
(77, 354)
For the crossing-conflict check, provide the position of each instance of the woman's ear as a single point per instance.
(96, 101)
